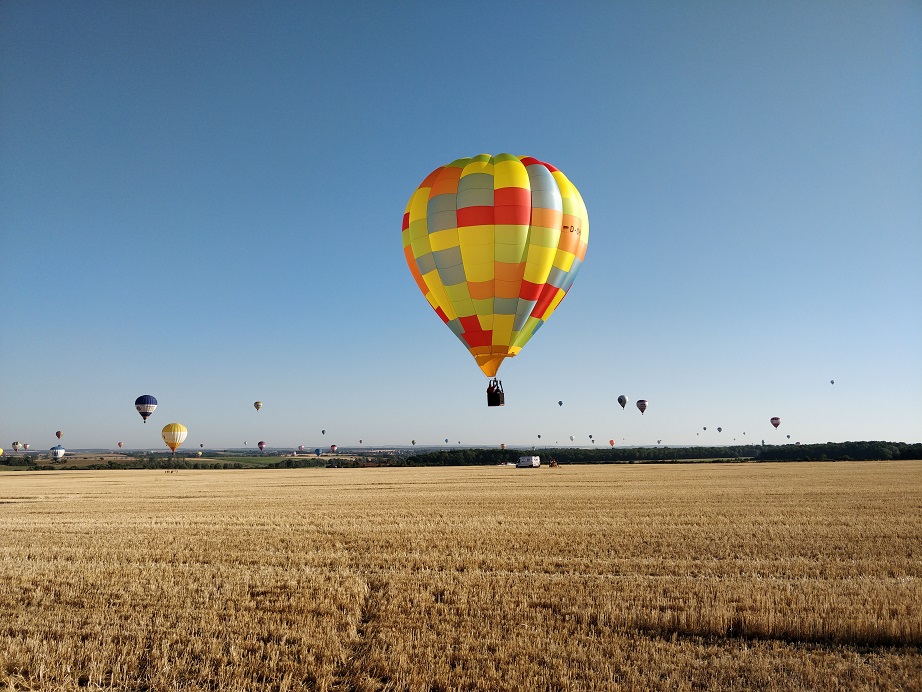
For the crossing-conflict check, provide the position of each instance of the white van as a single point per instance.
(528, 462)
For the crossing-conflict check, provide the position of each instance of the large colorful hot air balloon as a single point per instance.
(257, 405)
(776, 421)
(145, 404)
(174, 434)
(261, 445)
(57, 453)
(622, 400)
(494, 244)
(642, 405)
(59, 434)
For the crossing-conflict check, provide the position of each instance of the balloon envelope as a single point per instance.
(642, 405)
(611, 442)
(121, 444)
(174, 434)
(257, 405)
(59, 434)
(560, 403)
(333, 448)
(622, 400)
(57, 452)
(494, 244)
(261, 445)
(145, 405)
(776, 421)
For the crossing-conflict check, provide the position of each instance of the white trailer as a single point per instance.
(528, 462)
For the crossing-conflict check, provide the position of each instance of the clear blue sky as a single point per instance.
(203, 201)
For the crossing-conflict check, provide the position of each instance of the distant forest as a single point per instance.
(830, 451)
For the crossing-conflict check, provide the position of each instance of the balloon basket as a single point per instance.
(495, 394)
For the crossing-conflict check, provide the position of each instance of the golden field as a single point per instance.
(693, 576)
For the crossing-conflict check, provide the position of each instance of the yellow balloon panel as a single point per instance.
(494, 243)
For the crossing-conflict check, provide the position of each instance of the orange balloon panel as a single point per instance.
(494, 243)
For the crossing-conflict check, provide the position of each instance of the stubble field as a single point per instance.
(719, 576)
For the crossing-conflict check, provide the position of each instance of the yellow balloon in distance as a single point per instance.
(494, 244)
(174, 434)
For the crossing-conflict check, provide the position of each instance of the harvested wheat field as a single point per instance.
(719, 576)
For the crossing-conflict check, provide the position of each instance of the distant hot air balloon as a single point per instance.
(323, 432)
(333, 448)
(198, 454)
(789, 437)
(642, 405)
(705, 427)
(611, 442)
(121, 444)
(174, 434)
(539, 437)
(658, 441)
(720, 429)
(776, 421)
(1, 451)
(16, 446)
(318, 451)
(261, 445)
(145, 405)
(832, 381)
(202, 445)
(446, 440)
(59, 434)
(57, 452)
(494, 244)
(413, 441)
(502, 445)
(560, 403)
(571, 438)
(300, 448)
(257, 405)
(622, 400)
(360, 442)
(25, 446)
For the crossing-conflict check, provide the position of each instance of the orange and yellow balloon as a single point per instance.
(494, 243)
(174, 434)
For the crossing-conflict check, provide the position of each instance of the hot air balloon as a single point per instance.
(300, 448)
(16, 446)
(789, 437)
(145, 404)
(25, 446)
(832, 381)
(59, 434)
(539, 437)
(174, 434)
(121, 444)
(776, 421)
(705, 427)
(446, 440)
(642, 405)
(720, 429)
(611, 442)
(560, 403)
(318, 451)
(198, 454)
(57, 452)
(261, 445)
(494, 244)
(413, 441)
(202, 445)
(323, 432)
(502, 445)
(333, 448)
(622, 400)
(571, 438)
(658, 441)
(257, 405)
(1, 451)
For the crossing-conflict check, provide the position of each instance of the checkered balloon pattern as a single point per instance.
(494, 243)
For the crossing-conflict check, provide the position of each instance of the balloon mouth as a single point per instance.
(489, 364)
